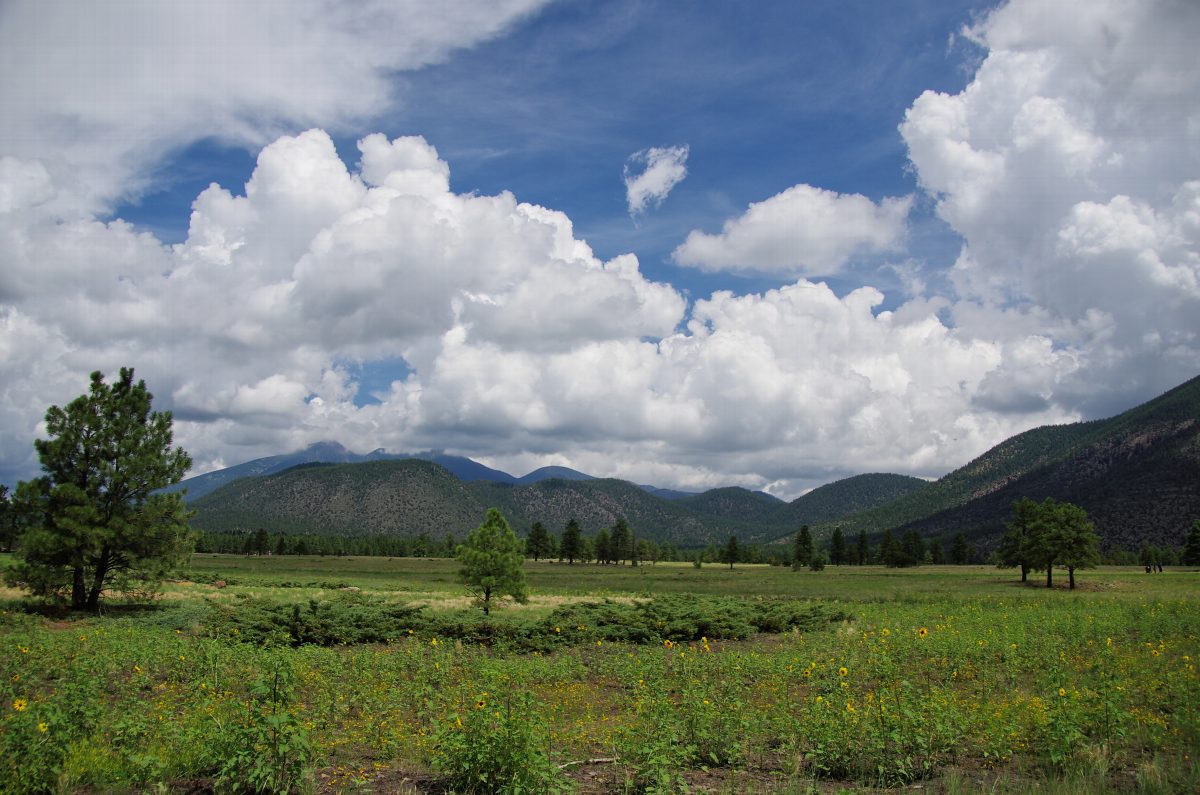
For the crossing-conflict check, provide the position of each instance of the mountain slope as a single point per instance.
(599, 502)
(406, 497)
(332, 453)
(848, 496)
(1137, 474)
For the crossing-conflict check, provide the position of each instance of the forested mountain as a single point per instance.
(1137, 475)
(413, 497)
(407, 497)
(334, 453)
(850, 495)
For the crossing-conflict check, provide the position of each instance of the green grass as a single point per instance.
(954, 678)
(545, 577)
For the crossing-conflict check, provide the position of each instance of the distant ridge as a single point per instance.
(1136, 474)
(334, 453)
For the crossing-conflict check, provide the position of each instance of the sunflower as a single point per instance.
(922, 632)
(1062, 691)
(843, 671)
(20, 704)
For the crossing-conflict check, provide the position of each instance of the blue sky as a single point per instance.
(875, 237)
(794, 92)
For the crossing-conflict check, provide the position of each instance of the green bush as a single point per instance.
(495, 746)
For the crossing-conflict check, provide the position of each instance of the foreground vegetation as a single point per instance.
(343, 674)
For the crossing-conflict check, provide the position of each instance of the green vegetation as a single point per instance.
(361, 674)
(1042, 536)
(93, 522)
(413, 498)
(1136, 474)
(491, 562)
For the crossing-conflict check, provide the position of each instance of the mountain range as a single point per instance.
(1137, 474)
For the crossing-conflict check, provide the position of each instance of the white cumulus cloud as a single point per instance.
(661, 169)
(1069, 165)
(802, 231)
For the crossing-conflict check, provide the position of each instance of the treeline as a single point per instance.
(618, 545)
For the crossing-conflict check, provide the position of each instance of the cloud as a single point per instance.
(802, 231)
(661, 170)
(100, 92)
(1069, 167)
(522, 345)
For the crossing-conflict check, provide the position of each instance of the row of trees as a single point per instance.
(1043, 535)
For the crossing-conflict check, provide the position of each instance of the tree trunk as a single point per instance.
(1024, 572)
(487, 600)
(1071, 576)
(78, 589)
(1049, 575)
(93, 601)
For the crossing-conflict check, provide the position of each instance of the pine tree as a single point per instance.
(98, 519)
(863, 551)
(729, 554)
(1016, 547)
(1075, 538)
(960, 550)
(804, 548)
(491, 561)
(1191, 553)
(622, 542)
(602, 547)
(569, 548)
(837, 547)
(537, 545)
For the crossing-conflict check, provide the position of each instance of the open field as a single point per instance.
(954, 678)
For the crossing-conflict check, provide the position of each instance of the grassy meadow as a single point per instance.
(954, 679)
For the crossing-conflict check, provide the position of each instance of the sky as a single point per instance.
(686, 244)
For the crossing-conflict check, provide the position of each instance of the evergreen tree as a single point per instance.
(98, 519)
(570, 546)
(862, 551)
(1191, 553)
(804, 548)
(837, 547)
(537, 545)
(6, 517)
(937, 555)
(887, 548)
(729, 554)
(910, 551)
(602, 546)
(1017, 545)
(491, 561)
(622, 542)
(960, 551)
(1075, 538)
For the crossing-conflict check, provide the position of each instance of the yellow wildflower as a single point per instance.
(842, 671)
(1062, 691)
(19, 704)
(668, 643)
(922, 632)
(43, 727)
